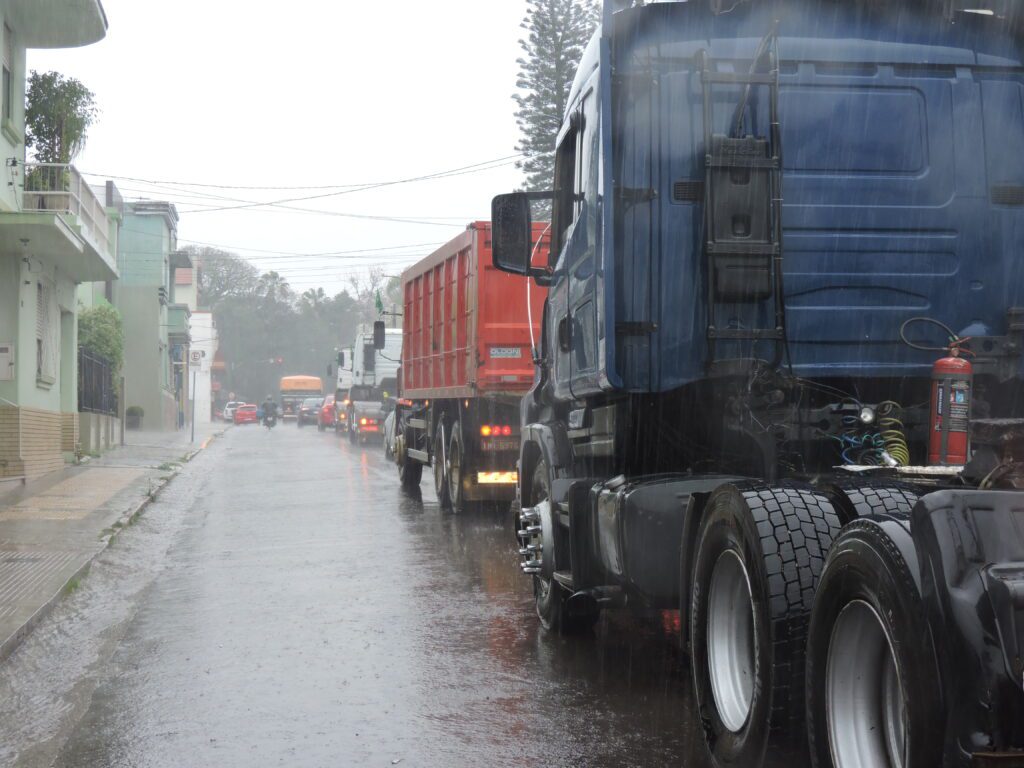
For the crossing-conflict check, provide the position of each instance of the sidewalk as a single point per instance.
(53, 527)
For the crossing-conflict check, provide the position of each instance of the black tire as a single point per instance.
(410, 471)
(456, 462)
(868, 583)
(440, 471)
(854, 499)
(549, 595)
(776, 539)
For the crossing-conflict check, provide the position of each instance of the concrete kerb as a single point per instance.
(13, 641)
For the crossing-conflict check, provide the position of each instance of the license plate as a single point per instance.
(506, 352)
(499, 445)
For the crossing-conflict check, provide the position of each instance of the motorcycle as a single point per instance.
(270, 420)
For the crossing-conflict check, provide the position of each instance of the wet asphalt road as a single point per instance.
(285, 603)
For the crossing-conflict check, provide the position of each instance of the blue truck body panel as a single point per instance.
(903, 166)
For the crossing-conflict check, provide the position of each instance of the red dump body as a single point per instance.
(465, 327)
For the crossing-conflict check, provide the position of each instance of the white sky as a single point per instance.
(312, 92)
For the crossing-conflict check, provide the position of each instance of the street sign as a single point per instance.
(195, 357)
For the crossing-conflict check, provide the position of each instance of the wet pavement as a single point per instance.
(283, 602)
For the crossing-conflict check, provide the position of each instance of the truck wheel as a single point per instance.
(760, 552)
(440, 470)
(410, 471)
(549, 595)
(853, 499)
(873, 698)
(456, 454)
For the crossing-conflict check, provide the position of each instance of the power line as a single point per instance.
(360, 186)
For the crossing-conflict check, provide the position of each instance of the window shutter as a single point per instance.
(44, 330)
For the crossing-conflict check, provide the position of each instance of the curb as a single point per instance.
(8, 646)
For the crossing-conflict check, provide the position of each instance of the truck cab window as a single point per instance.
(567, 184)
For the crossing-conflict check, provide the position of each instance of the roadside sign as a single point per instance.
(195, 357)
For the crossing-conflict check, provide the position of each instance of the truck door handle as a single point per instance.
(564, 335)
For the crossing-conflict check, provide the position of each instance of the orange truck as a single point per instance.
(466, 363)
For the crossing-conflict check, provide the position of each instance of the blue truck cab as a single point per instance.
(769, 221)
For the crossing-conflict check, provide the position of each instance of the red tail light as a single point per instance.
(506, 430)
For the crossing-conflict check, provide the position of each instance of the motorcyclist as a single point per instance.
(269, 409)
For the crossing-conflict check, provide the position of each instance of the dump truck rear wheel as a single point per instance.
(440, 468)
(456, 460)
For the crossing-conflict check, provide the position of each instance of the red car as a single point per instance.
(325, 416)
(246, 414)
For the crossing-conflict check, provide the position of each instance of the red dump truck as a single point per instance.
(466, 362)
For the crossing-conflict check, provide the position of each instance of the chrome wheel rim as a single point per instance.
(731, 641)
(864, 700)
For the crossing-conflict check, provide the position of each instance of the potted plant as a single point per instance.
(133, 416)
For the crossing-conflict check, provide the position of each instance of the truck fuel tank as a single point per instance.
(637, 529)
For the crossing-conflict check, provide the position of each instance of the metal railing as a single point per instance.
(59, 188)
(96, 390)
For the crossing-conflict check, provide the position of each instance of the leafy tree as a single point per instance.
(59, 111)
(100, 332)
(221, 274)
(261, 319)
(557, 33)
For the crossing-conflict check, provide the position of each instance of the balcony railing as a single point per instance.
(59, 188)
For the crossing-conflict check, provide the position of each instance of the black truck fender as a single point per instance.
(970, 553)
(550, 443)
(692, 513)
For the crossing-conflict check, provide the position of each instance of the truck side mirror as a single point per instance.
(341, 360)
(330, 370)
(378, 335)
(510, 233)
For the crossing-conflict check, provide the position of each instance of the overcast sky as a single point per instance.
(254, 93)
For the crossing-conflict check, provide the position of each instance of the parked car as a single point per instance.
(229, 409)
(326, 415)
(308, 411)
(246, 414)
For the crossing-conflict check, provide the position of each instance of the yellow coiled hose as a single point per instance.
(894, 442)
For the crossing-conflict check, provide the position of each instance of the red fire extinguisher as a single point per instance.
(950, 408)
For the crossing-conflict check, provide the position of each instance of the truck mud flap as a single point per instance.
(970, 548)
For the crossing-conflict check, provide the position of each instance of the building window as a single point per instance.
(40, 328)
(45, 343)
(8, 81)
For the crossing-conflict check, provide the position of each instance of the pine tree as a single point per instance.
(557, 33)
